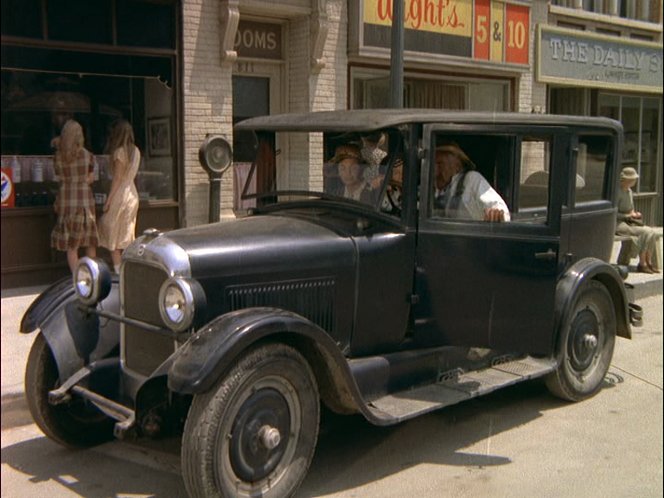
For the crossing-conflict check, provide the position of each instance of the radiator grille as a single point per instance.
(143, 351)
(313, 299)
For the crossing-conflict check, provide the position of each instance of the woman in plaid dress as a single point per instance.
(74, 205)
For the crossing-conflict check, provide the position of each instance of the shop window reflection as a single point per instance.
(36, 105)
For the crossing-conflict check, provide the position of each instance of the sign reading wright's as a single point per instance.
(570, 57)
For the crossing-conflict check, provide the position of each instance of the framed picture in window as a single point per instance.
(159, 136)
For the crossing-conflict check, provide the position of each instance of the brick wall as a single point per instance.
(208, 89)
(207, 103)
(531, 96)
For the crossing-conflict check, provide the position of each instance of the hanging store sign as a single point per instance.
(570, 57)
(479, 29)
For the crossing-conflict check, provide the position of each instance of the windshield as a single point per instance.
(364, 170)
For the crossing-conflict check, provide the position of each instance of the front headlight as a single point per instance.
(92, 280)
(180, 302)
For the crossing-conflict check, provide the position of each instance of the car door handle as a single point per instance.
(550, 254)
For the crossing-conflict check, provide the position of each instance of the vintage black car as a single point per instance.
(383, 304)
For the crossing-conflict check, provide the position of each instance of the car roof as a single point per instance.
(371, 119)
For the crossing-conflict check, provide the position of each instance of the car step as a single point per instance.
(454, 388)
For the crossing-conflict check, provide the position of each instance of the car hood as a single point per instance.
(266, 244)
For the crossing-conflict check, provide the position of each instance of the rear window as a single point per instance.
(591, 168)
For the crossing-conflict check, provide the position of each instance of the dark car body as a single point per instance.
(397, 310)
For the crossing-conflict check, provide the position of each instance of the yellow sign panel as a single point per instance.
(497, 31)
(453, 17)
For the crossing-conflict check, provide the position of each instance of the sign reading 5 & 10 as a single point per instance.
(501, 32)
(492, 30)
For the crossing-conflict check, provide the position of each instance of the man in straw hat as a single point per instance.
(630, 223)
(462, 192)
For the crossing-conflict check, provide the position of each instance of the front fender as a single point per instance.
(74, 336)
(213, 349)
(45, 303)
(592, 269)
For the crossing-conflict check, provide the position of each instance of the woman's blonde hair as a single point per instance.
(121, 136)
(70, 142)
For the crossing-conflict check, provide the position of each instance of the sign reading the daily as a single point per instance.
(585, 59)
(481, 29)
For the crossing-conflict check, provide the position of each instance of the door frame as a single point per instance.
(511, 270)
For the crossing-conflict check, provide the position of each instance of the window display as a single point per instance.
(37, 104)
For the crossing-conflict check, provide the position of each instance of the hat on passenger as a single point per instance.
(454, 149)
(349, 151)
(629, 173)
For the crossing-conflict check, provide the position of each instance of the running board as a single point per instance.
(453, 388)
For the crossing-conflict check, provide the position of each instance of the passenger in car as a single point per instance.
(462, 192)
(375, 157)
(351, 173)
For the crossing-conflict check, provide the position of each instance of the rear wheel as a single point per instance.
(76, 423)
(586, 345)
(255, 432)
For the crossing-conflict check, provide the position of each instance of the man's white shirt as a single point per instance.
(477, 196)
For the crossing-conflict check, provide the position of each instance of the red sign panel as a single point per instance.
(482, 25)
(517, 34)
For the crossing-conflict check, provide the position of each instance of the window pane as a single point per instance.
(591, 166)
(568, 101)
(36, 105)
(650, 136)
(487, 97)
(534, 180)
(457, 191)
(609, 106)
(22, 18)
(80, 20)
(133, 18)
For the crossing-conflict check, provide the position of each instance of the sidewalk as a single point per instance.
(645, 285)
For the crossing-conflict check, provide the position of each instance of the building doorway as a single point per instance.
(256, 92)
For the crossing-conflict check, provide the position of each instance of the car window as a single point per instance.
(591, 168)
(470, 175)
(534, 185)
(356, 167)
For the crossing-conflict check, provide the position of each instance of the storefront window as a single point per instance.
(371, 90)
(641, 118)
(36, 105)
(66, 59)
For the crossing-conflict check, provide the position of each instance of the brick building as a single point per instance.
(180, 69)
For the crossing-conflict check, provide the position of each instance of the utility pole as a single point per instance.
(396, 55)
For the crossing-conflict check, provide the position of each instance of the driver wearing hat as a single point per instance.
(462, 192)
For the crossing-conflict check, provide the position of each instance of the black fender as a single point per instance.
(212, 350)
(571, 283)
(44, 304)
(74, 336)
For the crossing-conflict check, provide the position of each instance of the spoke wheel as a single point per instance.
(75, 424)
(586, 345)
(255, 432)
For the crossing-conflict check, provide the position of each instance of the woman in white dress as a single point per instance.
(117, 226)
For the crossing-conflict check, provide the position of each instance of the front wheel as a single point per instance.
(586, 345)
(75, 424)
(254, 433)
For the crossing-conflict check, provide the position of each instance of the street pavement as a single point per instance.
(517, 442)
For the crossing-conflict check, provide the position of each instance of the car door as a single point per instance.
(486, 284)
